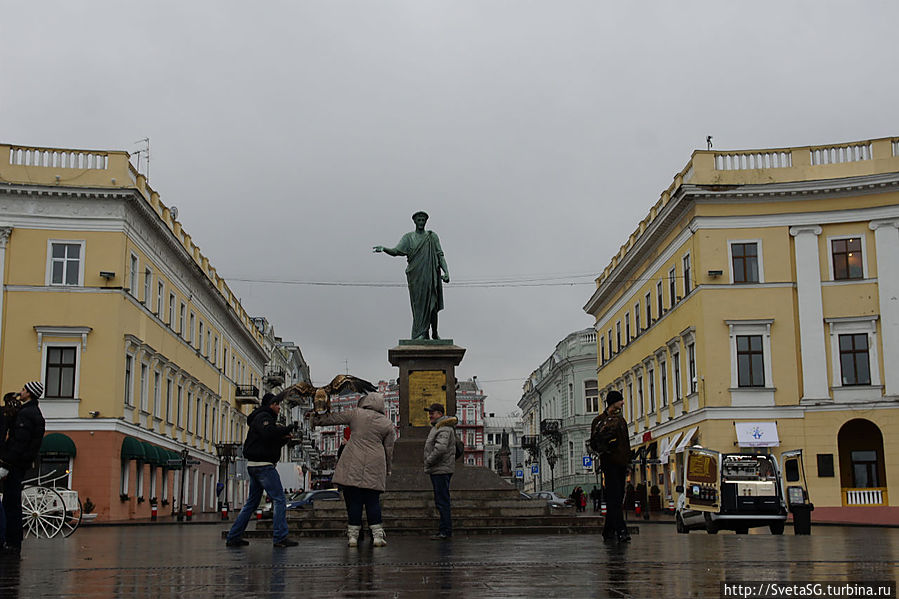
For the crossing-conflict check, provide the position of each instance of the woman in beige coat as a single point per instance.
(364, 465)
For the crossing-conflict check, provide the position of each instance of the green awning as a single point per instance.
(173, 455)
(151, 454)
(132, 449)
(58, 444)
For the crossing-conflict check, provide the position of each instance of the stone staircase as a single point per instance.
(475, 512)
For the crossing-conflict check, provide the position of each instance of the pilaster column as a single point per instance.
(886, 242)
(811, 313)
(4, 238)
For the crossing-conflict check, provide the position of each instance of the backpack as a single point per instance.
(460, 446)
(604, 437)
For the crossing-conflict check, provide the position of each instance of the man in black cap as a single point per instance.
(17, 452)
(262, 449)
(610, 436)
(440, 463)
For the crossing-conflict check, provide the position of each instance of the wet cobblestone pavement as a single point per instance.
(192, 561)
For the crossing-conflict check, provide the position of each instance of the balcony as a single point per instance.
(530, 441)
(245, 394)
(865, 496)
(274, 376)
(550, 426)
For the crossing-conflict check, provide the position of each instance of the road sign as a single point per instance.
(174, 462)
(588, 462)
(535, 469)
(192, 462)
(519, 474)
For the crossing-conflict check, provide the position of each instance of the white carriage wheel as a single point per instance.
(43, 512)
(72, 520)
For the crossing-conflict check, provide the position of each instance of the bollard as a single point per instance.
(259, 514)
(153, 512)
(603, 509)
(637, 509)
(224, 511)
(190, 512)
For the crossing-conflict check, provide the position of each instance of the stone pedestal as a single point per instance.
(427, 376)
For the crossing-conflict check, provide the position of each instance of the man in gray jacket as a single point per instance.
(440, 463)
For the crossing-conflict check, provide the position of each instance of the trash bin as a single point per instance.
(802, 518)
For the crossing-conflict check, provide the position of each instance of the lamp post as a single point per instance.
(551, 460)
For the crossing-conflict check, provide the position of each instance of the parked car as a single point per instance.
(307, 499)
(554, 500)
(267, 503)
(738, 491)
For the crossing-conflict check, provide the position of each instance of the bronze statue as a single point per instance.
(426, 271)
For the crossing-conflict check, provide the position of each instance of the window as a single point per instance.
(129, 362)
(215, 350)
(181, 321)
(663, 381)
(193, 328)
(602, 349)
(208, 345)
(854, 361)
(847, 259)
(172, 310)
(687, 272)
(637, 320)
(618, 334)
(148, 284)
(178, 415)
(157, 408)
(648, 309)
(168, 401)
(672, 287)
(652, 390)
(591, 396)
(143, 387)
(60, 372)
(659, 301)
(197, 417)
(191, 422)
(745, 262)
(639, 396)
(126, 468)
(610, 344)
(200, 340)
(65, 263)
(627, 328)
(750, 361)
(160, 297)
(675, 364)
(205, 431)
(224, 359)
(864, 469)
(630, 399)
(133, 276)
(691, 366)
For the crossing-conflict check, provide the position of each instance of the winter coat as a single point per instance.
(367, 456)
(440, 448)
(621, 453)
(265, 437)
(23, 443)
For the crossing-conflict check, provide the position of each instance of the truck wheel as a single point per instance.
(679, 524)
(710, 526)
(777, 528)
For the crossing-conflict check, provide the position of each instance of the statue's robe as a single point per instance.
(423, 254)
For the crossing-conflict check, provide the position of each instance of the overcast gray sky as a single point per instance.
(294, 136)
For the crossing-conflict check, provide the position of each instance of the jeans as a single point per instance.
(614, 493)
(12, 506)
(263, 478)
(441, 484)
(356, 498)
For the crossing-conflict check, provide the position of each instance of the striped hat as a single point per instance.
(35, 388)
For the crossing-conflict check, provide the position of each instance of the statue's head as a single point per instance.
(421, 214)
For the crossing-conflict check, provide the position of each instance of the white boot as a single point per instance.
(377, 533)
(352, 533)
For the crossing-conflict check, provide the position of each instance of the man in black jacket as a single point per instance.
(17, 452)
(262, 449)
(614, 463)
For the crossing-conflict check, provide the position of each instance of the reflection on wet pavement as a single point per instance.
(192, 561)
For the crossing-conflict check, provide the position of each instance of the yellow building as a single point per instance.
(755, 308)
(144, 351)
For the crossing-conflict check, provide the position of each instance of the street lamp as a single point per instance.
(551, 460)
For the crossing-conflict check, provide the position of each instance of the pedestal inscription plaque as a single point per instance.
(425, 388)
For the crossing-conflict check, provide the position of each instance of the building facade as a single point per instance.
(496, 428)
(754, 309)
(559, 402)
(470, 414)
(146, 355)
